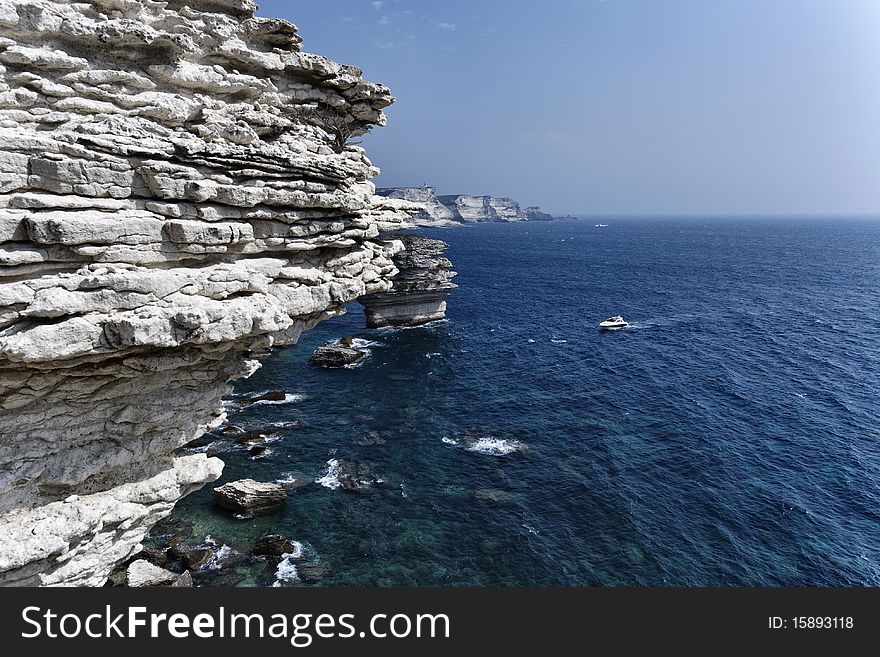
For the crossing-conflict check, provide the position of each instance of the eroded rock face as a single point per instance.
(250, 497)
(167, 213)
(432, 213)
(419, 290)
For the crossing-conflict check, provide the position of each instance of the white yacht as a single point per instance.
(616, 322)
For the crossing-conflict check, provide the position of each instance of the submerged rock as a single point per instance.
(291, 481)
(496, 496)
(336, 355)
(250, 497)
(370, 438)
(311, 573)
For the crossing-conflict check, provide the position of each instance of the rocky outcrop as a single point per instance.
(450, 210)
(168, 212)
(534, 213)
(335, 355)
(250, 497)
(273, 545)
(142, 573)
(419, 290)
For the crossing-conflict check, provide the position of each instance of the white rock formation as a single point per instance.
(419, 289)
(477, 209)
(432, 212)
(142, 573)
(456, 209)
(167, 212)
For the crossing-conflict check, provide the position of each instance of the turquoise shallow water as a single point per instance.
(731, 436)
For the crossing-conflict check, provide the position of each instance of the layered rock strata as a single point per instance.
(168, 211)
(419, 290)
(431, 211)
(454, 209)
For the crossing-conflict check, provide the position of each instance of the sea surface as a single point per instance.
(730, 436)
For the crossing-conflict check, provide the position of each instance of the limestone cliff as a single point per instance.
(450, 210)
(432, 212)
(169, 209)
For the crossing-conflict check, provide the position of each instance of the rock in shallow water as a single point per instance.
(250, 497)
(272, 395)
(335, 355)
(194, 558)
(496, 496)
(273, 545)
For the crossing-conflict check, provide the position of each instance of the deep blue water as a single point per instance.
(731, 436)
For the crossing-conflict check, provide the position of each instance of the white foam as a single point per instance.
(360, 343)
(559, 341)
(394, 329)
(496, 446)
(214, 562)
(331, 479)
(286, 571)
(216, 444)
(296, 551)
(530, 341)
(432, 354)
(285, 424)
(286, 478)
(448, 441)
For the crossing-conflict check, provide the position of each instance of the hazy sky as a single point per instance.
(621, 106)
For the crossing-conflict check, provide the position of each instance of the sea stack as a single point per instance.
(419, 290)
(171, 205)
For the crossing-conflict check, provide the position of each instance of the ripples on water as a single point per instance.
(729, 437)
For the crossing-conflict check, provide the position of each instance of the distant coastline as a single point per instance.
(458, 209)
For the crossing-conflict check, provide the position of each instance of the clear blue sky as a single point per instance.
(621, 106)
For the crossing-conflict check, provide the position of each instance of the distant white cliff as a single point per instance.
(454, 209)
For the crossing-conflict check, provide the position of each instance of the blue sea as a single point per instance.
(730, 436)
